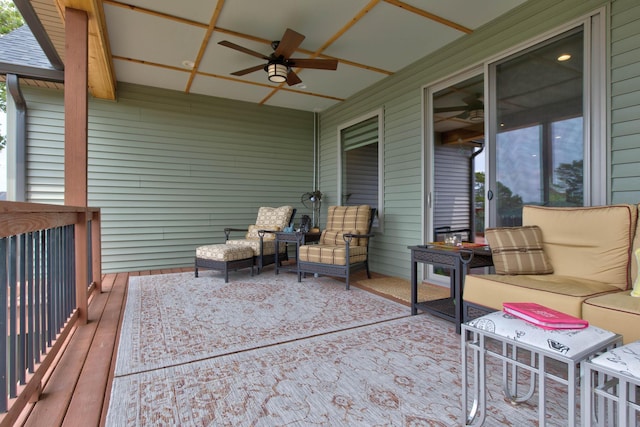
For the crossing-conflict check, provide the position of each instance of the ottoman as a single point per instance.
(224, 258)
(612, 388)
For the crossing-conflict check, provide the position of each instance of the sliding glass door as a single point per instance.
(537, 143)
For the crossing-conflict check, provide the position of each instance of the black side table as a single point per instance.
(458, 260)
(297, 237)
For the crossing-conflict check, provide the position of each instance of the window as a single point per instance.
(540, 143)
(360, 163)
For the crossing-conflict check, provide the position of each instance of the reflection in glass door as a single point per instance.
(457, 172)
(538, 151)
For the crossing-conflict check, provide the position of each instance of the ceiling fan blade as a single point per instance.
(248, 70)
(293, 79)
(243, 49)
(289, 43)
(320, 64)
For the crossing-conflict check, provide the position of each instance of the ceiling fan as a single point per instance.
(473, 109)
(279, 64)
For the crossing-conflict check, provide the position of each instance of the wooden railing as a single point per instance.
(50, 264)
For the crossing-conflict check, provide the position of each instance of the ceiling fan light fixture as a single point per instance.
(476, 115)
(277, 72)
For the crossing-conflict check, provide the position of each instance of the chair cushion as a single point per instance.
(591, 242)
(274, 218)
(335, 237)
(518, 250)
(252, 233)
(348, 217)
(222, 252)
(335, 255)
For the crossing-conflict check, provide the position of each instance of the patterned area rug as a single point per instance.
(175, 318)
(402, 371)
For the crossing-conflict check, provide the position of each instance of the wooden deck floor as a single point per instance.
(77, 391)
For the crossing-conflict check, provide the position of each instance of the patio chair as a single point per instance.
(343, 247)
(261, 235)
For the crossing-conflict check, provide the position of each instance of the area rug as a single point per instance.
(402, 372)
(173, 319)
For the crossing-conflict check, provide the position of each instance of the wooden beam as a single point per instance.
(75, 108)
(462, 136)
(101, 83)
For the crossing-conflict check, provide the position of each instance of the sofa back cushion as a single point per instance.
(587, 242)
(636, 245)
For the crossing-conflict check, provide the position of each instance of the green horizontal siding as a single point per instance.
(625, 101)
(170, 171)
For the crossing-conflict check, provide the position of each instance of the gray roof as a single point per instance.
(20, 53)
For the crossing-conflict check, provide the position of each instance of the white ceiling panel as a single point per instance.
(152, 39)
(316, 20)
(471, 14)
(299, 102)
(391, 38)
(148, 75)
(367, 35)
(199, 11)
(229, 89)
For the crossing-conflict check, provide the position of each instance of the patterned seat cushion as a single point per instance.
(332, 254)
(273, 219)
(224, 252)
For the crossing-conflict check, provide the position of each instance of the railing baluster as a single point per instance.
(30, 303)
(89, 253)
(49, 285)
(22, 320)
(13, 327)
(37, 290)
(4, 400)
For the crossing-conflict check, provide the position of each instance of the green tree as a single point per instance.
(10, 19)
(571, 175)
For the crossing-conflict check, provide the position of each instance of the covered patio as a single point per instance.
(161, 148)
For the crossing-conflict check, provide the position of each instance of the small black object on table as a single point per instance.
(458, 260)
(297, 237)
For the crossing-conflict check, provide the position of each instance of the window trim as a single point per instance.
(380, 114)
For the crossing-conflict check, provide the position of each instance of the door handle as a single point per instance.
(490, 195)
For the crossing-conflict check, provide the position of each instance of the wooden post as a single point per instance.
(76, 141)
(76, 107)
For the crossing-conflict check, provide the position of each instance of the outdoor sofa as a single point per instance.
(591, 254)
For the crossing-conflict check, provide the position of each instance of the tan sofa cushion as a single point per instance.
(636, 245)
(617, 312)
(561, 293)
(591, 243)
(518, 250)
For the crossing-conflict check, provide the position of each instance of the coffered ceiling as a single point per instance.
(174, 44)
